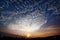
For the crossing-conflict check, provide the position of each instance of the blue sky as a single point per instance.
(49, 9)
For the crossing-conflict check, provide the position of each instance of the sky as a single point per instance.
(27, 15)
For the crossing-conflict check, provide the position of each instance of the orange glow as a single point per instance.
(48, 32)
(28, 35)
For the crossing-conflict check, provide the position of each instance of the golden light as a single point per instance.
(51, 31)
(28, 35)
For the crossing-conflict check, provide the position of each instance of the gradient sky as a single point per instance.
(12, 10)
